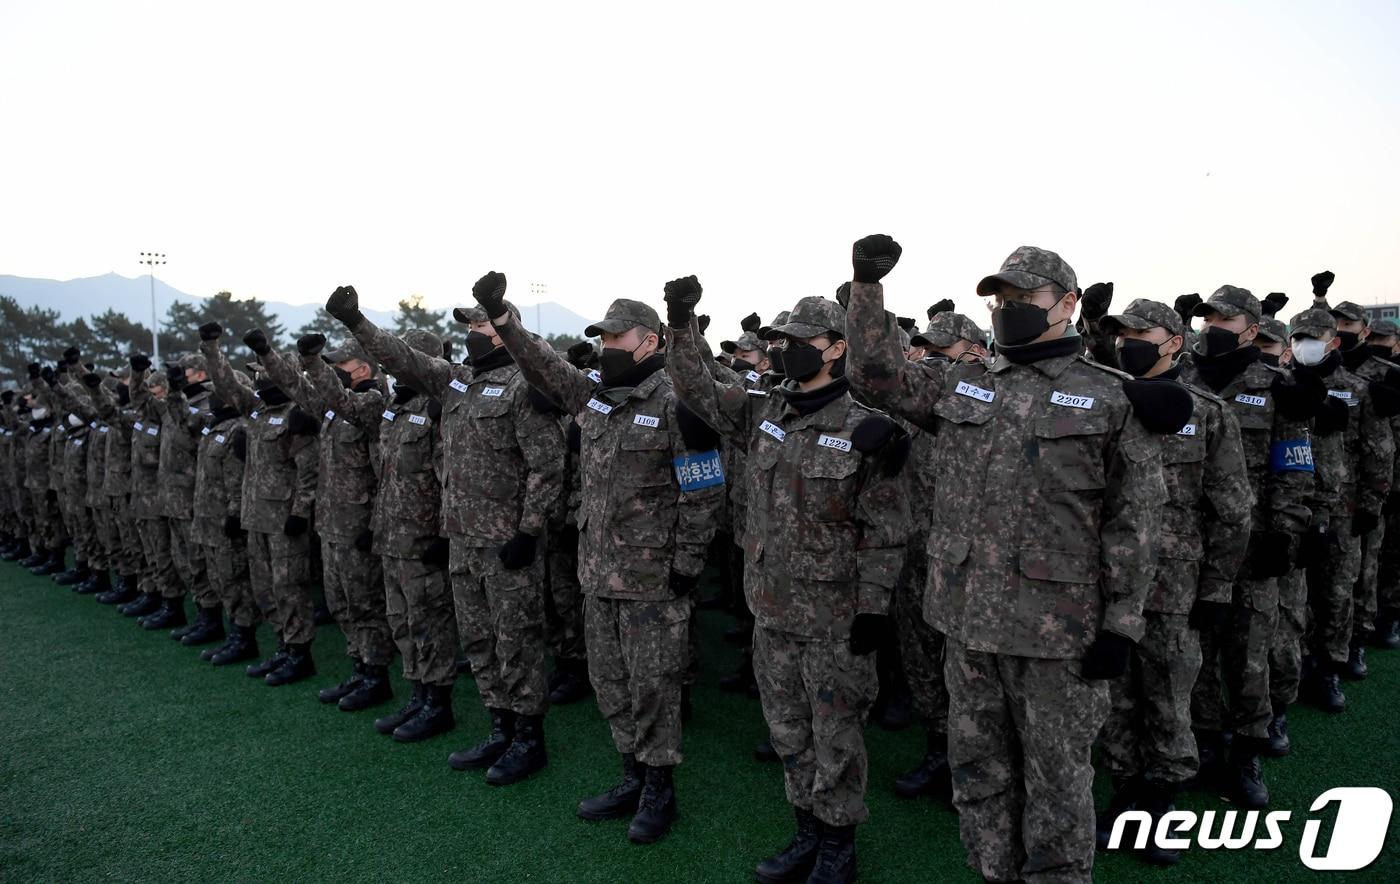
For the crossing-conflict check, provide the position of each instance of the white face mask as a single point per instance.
(74, 421)
(1309, 351)
(39, 414)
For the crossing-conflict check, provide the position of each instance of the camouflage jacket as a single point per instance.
(182, 418)
(824, 540)
(505, 451)
(218, 483)
(1066, 482)
(145, 461)
(75, 464)
(1370, 439)
(636, 523)
(38, 454)
(406, 510)
(347, 452)
(115, 423)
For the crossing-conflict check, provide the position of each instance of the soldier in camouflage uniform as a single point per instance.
(1040, 588)
(505, 471)
(1383, 339)
(1146, 742)
(564, 602)
(14, 538)
(823, 547)
(104, 545)
(279, 489)
(643, 538)
(49, 538)
(111, 397)
(158, 579)
(77, 414)
(352, 575)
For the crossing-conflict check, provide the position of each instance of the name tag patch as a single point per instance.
(153, 431)
(194, 410)
(493, 392)
(1188, 430)
(139, 426)
(388, 415)
(1291, 456)
(600, 407)
(773, 430)
(699, 470)
(1340, 394)
(835, 442)
(753, 376)
(204, 432)
(594, 375)
(643, 420)
(457, 385)
(92, 425)
(220, 438)
(1256, 401)
(253, 414)
(965, 389)
(1071, 401)
(417, 419)
(101, 429)
(330, 416)
(276, 421)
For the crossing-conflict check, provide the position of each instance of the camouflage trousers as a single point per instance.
(104, 548)
(1330, 587)
(815, 696)
(1020, 735)
(1232, 690)
(1365, 594)
(353, 581)
(418, 604)
(1148, 731)
(158, 577)
(563, 603)
(636, 661)
(920, 645)
(1286, 653)
(279, 568)
(77, 522)
(127, 557)
(1388, 570)
(500, 620)
(188, 556)
(226, 561)
(47, 526)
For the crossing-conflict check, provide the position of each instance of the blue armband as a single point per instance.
(1291, 456)
(699, 470)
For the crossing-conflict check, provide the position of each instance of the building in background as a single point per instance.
(1382, 311)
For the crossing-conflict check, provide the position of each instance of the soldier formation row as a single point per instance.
(1114, 532)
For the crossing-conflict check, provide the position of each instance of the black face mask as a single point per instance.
(123, 394)
(1349, 339)
(345, 379)
(775, 358)
(742, 366)
(614, 363)
(269, 393)
(1269, 359)
(1380, 351)
(403, 392)
(802, 361)
(1217, 341)
(1137, 357)
(478, 346)
(1017, 322)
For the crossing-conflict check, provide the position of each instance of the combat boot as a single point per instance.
(1156, 799)
(97, 583)
(656, 808)
(144, 603)
(170, 613)
(1210, 749)
(297, 666)
(896, 714)
(765, 752)
(260, 670)
(836, 857)
(208, 627)
(52, 565)
(242, 645)
(489, 750)
(1355, 668)
(620, 800)
(74, 575)
(37, 556)
(1327, 694)
(372, 689)
(525, 755)
(1243, 783)
(570, 682)
(933, 776)
(19, 551)
(123, 590)
(1124, 798)
(435, 716)
(212, 651)
(1387, 634)
(1279, 744)
(335, 693)
(179, 632)
(794, 862)
(387, 724)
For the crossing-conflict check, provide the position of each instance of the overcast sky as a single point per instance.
(280, 149)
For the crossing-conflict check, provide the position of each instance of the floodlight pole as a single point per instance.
(151, 259)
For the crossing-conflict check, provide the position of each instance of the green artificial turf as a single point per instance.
(123, 757)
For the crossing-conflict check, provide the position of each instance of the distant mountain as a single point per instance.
(93, 295)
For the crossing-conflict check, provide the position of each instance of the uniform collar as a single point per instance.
(1051, 367)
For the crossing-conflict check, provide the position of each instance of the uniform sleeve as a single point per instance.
(233, 475)
(884, 522)
(542, 443)
(71, 397)
(427, 374)
(1286, 491)
(1228, 509)
(1377, 459)
(365, 409)
(225, 383)
(697, 513)
(879, 373)
(544, 369)
(140, 393)
(287, 374)
(306, 456)
(1130, 524)
(725, 407)
(103, 403)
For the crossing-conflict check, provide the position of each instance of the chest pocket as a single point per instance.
(415, 442)
(492, 426)
(1069, 450)
(269, 455)
(828, 480)
(645, 454)
(1257, 418)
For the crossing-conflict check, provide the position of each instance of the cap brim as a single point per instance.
(936, 340)
(728, 346)
(796, 330)
(1014, 278)
(1225, 310)
(341, 355)
(611, 326)
(1127, 320)
(1271, 337)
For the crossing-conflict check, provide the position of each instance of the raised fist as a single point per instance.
(1185, 304)
(874, 256)
(311, 345)
(72, 356)
(140, 361)
(751, 323)
(943, 306)
(1321, 282)
(1273, 303)
(92, 379)
(681, 297)
(211, 331)
(344, 304)
(34, 370)
(490, 293)
(256, 341)
(1093, 305)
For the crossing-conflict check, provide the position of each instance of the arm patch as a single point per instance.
(1291, 456)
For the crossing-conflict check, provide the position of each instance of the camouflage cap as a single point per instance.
(624, 314)
(746, 341)
(1230, 300)
(423, 341)
(777, 320)
(121, 373)
(243, 379)
(193, 362)
(811, 317)
(947, 328)
(1144, 314)
(1384, 328)
(475, 313)
(1312, 323)
(1349, 310)
(349, 349)
(903, 339)
(1029, 267)
(157, 378)
(1273, 330)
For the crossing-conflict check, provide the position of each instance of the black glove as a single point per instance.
(1209, 617)
(1270, 553)
(1273, 303)
(295, 526)
(256, 341)
(92, 379)
(211, 331)
(48, 376)
(1185, 304)
(518, 552)
(1332, 417)
(1385, 395)
(868, 633)
(908, 323)
(751, 323)
(1094, 303)
(344, 304)
(1321, 282)
(447, 350)
(702, 322)
(72, 356)
(50, 495)
(579, 352)
(176, 375)
(1107, 657)
(682, 584)
(311, 345)
(681, 297)
(490, 293)
(874, 256)
(843, 295)
(1314, 547)
(139, 362)
(233, 527)
(1364, 522)
(34, 370)
(943, 306)
(437, 553)
(364, 541)
(61, 368)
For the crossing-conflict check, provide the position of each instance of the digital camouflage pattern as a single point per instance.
(218, 494)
